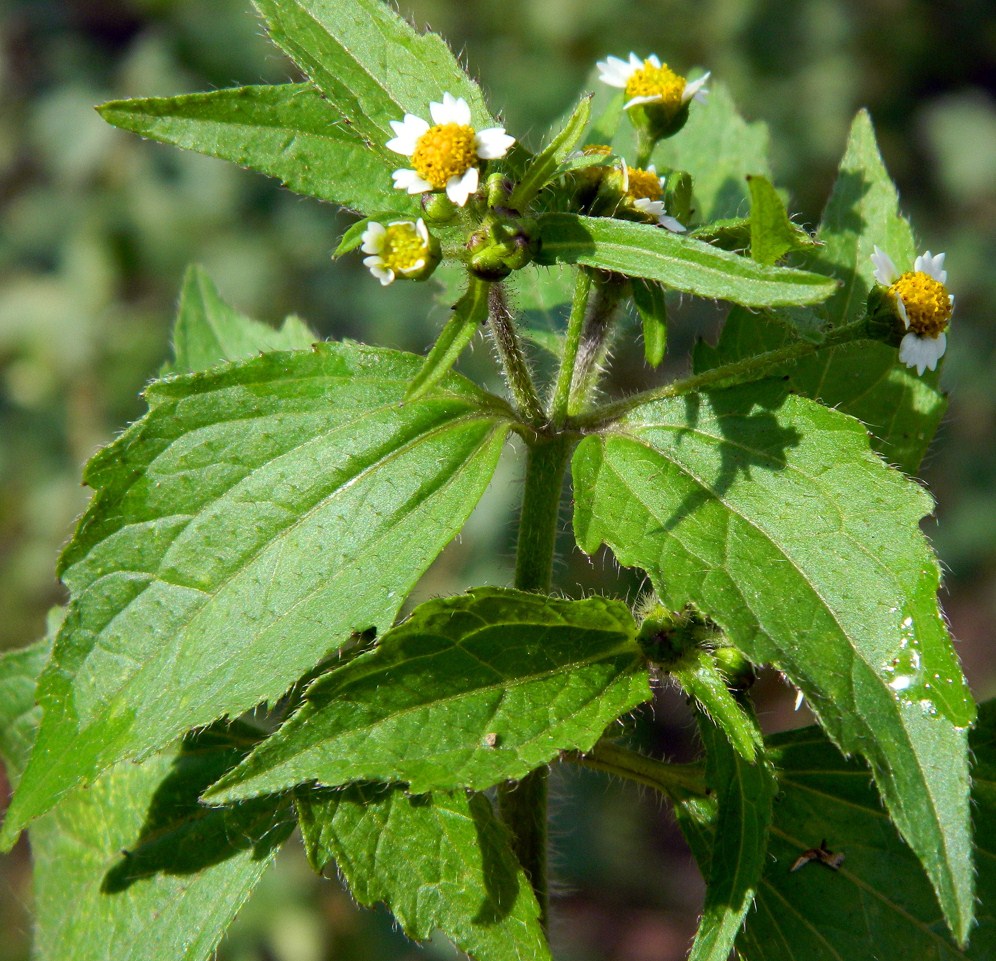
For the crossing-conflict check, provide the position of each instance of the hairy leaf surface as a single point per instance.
(744, 794)
(682, 263)
(133, 869)
(469, 691)
(459, 876)
(770, 513)
(370, 64)
(289, 131)
(254, 518)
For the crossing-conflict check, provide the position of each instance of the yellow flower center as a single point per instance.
(643, 185)
(660, 82)
(402, 248)
(928, 307)
(444, 151)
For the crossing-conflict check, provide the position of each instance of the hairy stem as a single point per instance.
(676, 781)
(743, 371)
(594, 341)
(523, 806)
(513, 361)
(572, 342)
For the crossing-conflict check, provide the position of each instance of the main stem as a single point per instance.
(523, 806)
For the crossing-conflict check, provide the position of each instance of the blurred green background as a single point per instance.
(98, 226)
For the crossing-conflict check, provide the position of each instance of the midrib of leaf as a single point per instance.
(894, 705)
(284, 533)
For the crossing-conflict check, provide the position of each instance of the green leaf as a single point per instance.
(745, 793)
(720, 150)
(469, 312)
(469, 691)
(459, 876)
(133, 867)
(772, 234)
(699, 677)
(644, 250)
(370, 64)
(862, 211)
(544, 165)
(648, 298)
(879, 895)
(770, 514)
(288, 131)
(209, 332)
(865, 379)
(254, 518)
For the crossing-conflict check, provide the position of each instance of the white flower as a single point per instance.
(644, 190)
(445, 156)
(922, 303)
(402, 247)
(650, 81)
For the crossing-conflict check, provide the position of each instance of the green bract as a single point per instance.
(240, 651)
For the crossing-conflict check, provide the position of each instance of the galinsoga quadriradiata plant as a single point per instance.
(232, 661)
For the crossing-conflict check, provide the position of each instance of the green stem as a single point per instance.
(523, 806)
(677, 782)
(562, 389)
(645, 144)
(594, 341)
(749, 369)
(513, 361)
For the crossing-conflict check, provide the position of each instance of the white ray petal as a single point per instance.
(458, 189)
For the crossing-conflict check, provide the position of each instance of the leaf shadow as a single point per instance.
(751, 438)
(180, 835)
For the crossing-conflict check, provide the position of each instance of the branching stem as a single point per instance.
(513, 361)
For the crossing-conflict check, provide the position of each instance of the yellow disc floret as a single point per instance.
(927, 304)
(403, 249)
(444, 151)
(661, 83)
(643, 185)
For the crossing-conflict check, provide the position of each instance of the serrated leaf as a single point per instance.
(681, 263)
(862, 211)
(745, 792)
(469, 312)
(771, 515)
(865, 379)
(459, 876)
(469, 691)
(288, 131)
(879, 895)
(542, 168)
(719, 149)
(209, 332)
(370, 64)
(648, 299)
(254, 518)
(772, 234)
(104, 894)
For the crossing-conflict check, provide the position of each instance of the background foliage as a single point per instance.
(98, 227)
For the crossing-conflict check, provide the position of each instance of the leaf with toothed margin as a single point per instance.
(134, 868)
(259, 514)
(469, 691)
(460, 875)
(770, 513)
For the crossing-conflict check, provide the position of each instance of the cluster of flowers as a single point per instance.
(446, 157)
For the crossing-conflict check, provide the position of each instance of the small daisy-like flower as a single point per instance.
(445, 156)
(644, 190)
(650, 81)
(922, 303)
(402, 247)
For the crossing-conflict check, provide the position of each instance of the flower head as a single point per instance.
(445, 156)
(922, 302)
(644, 191)
(402, 247)
(651, 82)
